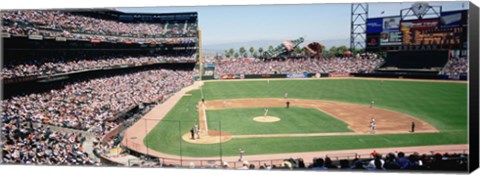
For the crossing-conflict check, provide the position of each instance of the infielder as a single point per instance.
(224, 103)
(373, 126)
(266, 111)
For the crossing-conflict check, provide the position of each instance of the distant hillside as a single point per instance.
(266, 43)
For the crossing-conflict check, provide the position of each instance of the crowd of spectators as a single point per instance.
(16, 30)
(75, 23)
(86, 105)
(455, 67)
(392, 161)
(299, 65)
(25, 144)
(51, 66)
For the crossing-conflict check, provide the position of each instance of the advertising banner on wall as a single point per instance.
(35, 37)
(423, 24)
(374, 25)
(391, 23)
(298, 75)
(453, 19)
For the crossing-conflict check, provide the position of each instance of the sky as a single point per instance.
(229, 24)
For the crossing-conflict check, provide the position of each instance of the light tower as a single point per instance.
(358, 26)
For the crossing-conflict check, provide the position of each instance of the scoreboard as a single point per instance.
(450, 37)
(449, 31)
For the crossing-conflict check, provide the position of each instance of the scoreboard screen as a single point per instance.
(449, 31)
(448, 37)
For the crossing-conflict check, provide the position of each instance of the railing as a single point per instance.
(217, 163)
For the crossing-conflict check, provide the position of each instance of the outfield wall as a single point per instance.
(384, 74)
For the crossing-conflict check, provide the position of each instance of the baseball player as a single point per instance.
(197, 129)
(266, 111)
(241, 154)
(286, 95)
(413, 127)
(192, 132)
(372, 103)
(373, 126)
(198, 132)
(224, 103)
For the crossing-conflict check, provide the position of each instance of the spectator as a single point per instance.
(390, 162)
(69, 24)
(319, 164)
(402, 160)
(327, 65)
(86, 105)
(455, 67)
(25, 145)
(344, 164)
(329, 164)
(51, 66)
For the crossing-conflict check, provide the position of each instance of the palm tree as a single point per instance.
(236, 55)
(270, 47)
(255, 55)
(231, 51)
(245, 55)
(260, 50)
(227, 55)
(251, 51)
(242, 50)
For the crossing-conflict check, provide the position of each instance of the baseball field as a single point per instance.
(324, 114)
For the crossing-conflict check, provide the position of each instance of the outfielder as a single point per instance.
(266, 111)
(372, 103)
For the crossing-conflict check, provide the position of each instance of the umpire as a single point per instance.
(413, 126)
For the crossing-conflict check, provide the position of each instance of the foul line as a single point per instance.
(326, 134)
(205, 118)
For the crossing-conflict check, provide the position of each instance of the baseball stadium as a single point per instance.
(105, 87)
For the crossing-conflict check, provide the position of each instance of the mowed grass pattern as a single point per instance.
(444, 105)
(293, 120)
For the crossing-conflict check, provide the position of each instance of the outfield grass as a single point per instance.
(444, 105)
(293, 120)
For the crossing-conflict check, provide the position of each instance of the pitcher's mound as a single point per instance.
(266, 119)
